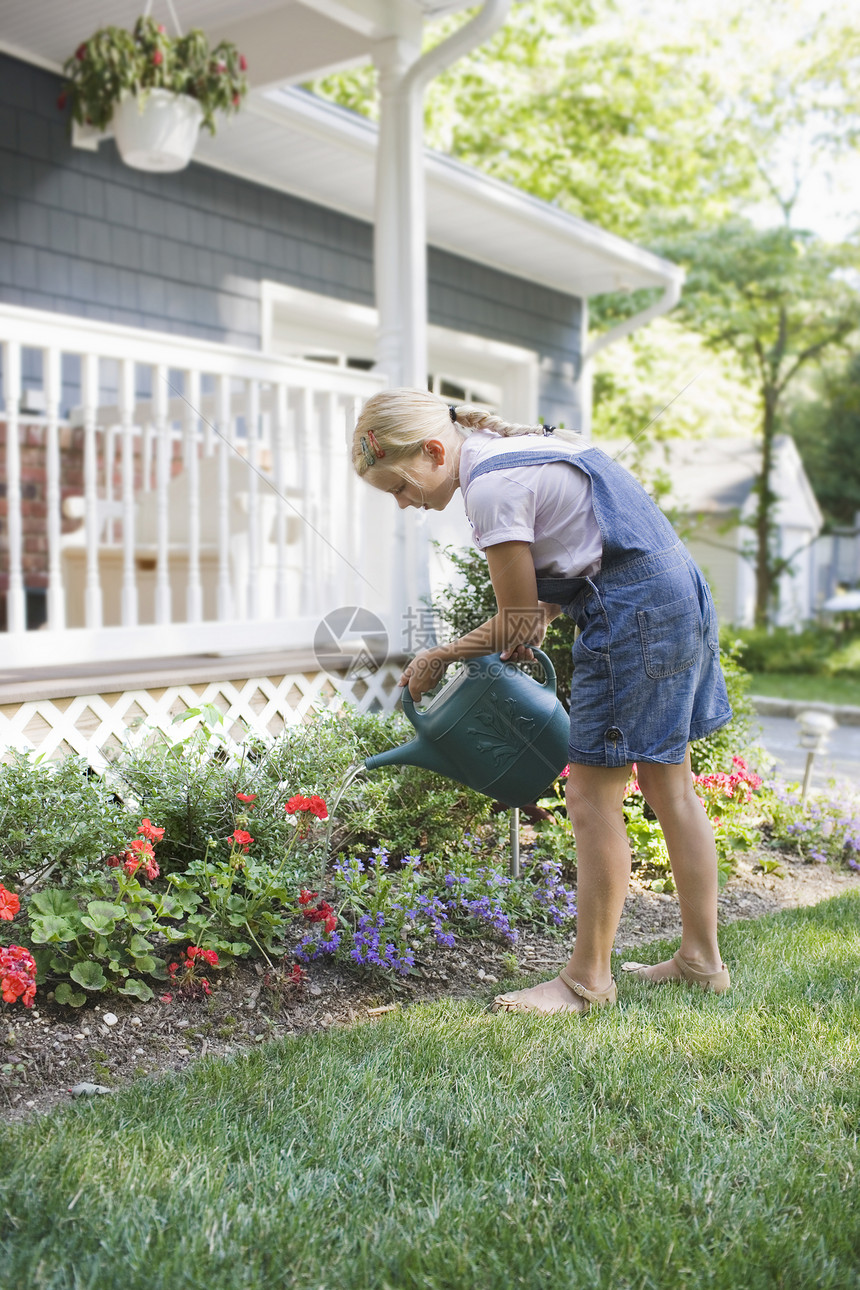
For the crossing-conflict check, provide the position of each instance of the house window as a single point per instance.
(464, 368)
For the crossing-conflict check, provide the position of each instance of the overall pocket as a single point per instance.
(671, 637)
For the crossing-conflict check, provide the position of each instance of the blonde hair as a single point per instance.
(395, 423)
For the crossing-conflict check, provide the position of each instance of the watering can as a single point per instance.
(493, 728)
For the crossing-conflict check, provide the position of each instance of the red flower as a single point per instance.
(297, 975)
(141, 848)
(9, 904)
(166, 998)
(306, 897)
(314, 804)
(237, 99)
(250, 798)
(240, 838)
(113, 862)
(17, 975)
(158, 58)
(61, 101)
(149, 830)
(81, 52)
(161, 29)
(132, 863)
(243, 63)
(152, 870)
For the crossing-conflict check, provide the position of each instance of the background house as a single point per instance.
(183, 357)
(711, 484)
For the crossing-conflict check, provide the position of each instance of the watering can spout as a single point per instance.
(418, 752)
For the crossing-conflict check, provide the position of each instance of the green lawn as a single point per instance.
(679, 1140)
(814, 689)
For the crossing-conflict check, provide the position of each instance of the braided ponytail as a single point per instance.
(475, 418)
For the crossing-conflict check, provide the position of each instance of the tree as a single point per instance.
(779, 300)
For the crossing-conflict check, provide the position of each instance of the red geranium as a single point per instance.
(241, 838)
(17, 975)
(158, 58)
(248, 798)
(9, 904)
(150, 831)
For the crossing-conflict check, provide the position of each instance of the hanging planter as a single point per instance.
(153, 90)
(158, 132)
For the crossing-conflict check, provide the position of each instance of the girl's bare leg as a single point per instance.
(594, 801)
(668, 790)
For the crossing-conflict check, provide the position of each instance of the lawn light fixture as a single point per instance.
(815, 730)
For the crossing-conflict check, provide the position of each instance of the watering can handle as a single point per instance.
(548, 669)
(408, 703)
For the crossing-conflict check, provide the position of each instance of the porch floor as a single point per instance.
(20, 685)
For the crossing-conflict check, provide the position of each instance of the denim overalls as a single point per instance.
(647, 676)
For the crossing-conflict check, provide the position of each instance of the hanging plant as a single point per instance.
(116, 63)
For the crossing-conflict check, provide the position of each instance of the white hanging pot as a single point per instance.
(158, 132)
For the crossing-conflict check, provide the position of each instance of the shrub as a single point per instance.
(57, 820)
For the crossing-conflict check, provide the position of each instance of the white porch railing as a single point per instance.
(217, 503)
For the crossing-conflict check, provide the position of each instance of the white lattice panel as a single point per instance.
(92, 725)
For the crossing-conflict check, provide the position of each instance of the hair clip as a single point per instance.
(375, 445)
(452, 411)
(368, 452)
(548, 430)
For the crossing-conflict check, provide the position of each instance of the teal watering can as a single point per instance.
(493, 728)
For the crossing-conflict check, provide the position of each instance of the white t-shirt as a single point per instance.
(548, 506)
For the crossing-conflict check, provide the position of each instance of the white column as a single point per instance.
(93, 593)
(585, 383)
(400, 251)
(56, 595)
(126, 420)
(16, 605)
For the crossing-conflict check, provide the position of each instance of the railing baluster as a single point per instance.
(93, 592)
(56, 594)
(280, 475)
(146, 457)
(304, 428)
(252, 422)
(163, 608)
(16, 603)
(224, 421)
(129, 574)
(330, 499)
(194, 590)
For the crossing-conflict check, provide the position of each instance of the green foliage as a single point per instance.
(825, 424)
(57, 820)
(816, 651)
(115, 62)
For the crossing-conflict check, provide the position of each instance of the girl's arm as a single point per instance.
(521, 621)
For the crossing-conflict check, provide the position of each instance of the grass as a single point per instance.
(678, 1140)
(808, 688)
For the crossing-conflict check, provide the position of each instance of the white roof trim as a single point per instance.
(468, 213)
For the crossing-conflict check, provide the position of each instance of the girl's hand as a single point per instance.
(425, 671)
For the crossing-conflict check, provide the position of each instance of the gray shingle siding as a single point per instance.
(81, 233)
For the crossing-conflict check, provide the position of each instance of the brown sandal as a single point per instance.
(716, 982)
(597, 999)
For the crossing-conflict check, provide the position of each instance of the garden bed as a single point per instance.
(48, 1051)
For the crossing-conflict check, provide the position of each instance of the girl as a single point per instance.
(568, 530)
